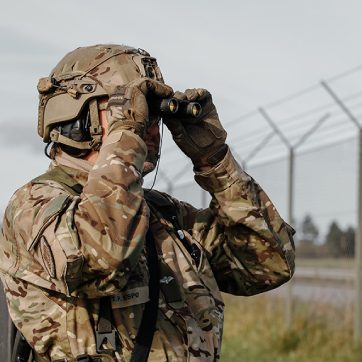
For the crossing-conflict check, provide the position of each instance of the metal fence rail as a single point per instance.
(285, 147)
(282, 135)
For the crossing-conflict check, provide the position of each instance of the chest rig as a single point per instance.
(105, 331)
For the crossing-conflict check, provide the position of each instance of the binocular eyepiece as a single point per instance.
(177, 107)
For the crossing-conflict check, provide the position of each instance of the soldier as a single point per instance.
(96, 268)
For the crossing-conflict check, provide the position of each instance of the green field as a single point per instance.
(255, 332)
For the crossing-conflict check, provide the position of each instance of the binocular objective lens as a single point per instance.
(173, 106)
(195, 109)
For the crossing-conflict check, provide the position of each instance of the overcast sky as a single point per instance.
(247, 53)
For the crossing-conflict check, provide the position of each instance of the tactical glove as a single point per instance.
(201, 138)
(127, 106)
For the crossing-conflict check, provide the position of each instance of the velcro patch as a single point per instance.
(47, 255)
(130, 297)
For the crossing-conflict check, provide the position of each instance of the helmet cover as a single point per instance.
(85, 74)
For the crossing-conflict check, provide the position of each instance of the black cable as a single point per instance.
(46, 150)
(158, 160)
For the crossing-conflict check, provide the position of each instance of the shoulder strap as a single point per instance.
(21, 350)
(147, 327)
(105, 330)
(164, 204)
(58, 175)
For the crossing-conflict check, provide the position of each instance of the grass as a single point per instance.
(255, 332)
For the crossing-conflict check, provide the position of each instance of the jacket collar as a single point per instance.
(77, 168)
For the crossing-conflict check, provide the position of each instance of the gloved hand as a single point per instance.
(127, 106)
(202, 138)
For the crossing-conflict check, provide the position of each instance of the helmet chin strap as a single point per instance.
(46, 150)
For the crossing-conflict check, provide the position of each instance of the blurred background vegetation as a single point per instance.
(255, 331)
(337, 243)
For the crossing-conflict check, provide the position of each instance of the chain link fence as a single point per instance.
(304, 151)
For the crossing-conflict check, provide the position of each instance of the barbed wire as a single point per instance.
(252, 142)
(286, 124)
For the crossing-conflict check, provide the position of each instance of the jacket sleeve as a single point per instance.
(85, 245)
(249, 246)
(112, 216)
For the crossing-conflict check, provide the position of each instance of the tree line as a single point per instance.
(338, 242)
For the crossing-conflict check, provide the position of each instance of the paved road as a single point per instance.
(325, 273)
(324, 285)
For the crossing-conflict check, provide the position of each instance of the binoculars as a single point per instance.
(177, 107)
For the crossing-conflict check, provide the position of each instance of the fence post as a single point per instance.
(358, 249)
(291, 152)
(289, 291)
(289, 302)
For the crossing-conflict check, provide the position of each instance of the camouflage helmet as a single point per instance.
(78, 81)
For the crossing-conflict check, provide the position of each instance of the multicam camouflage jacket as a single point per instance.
(60, 253)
